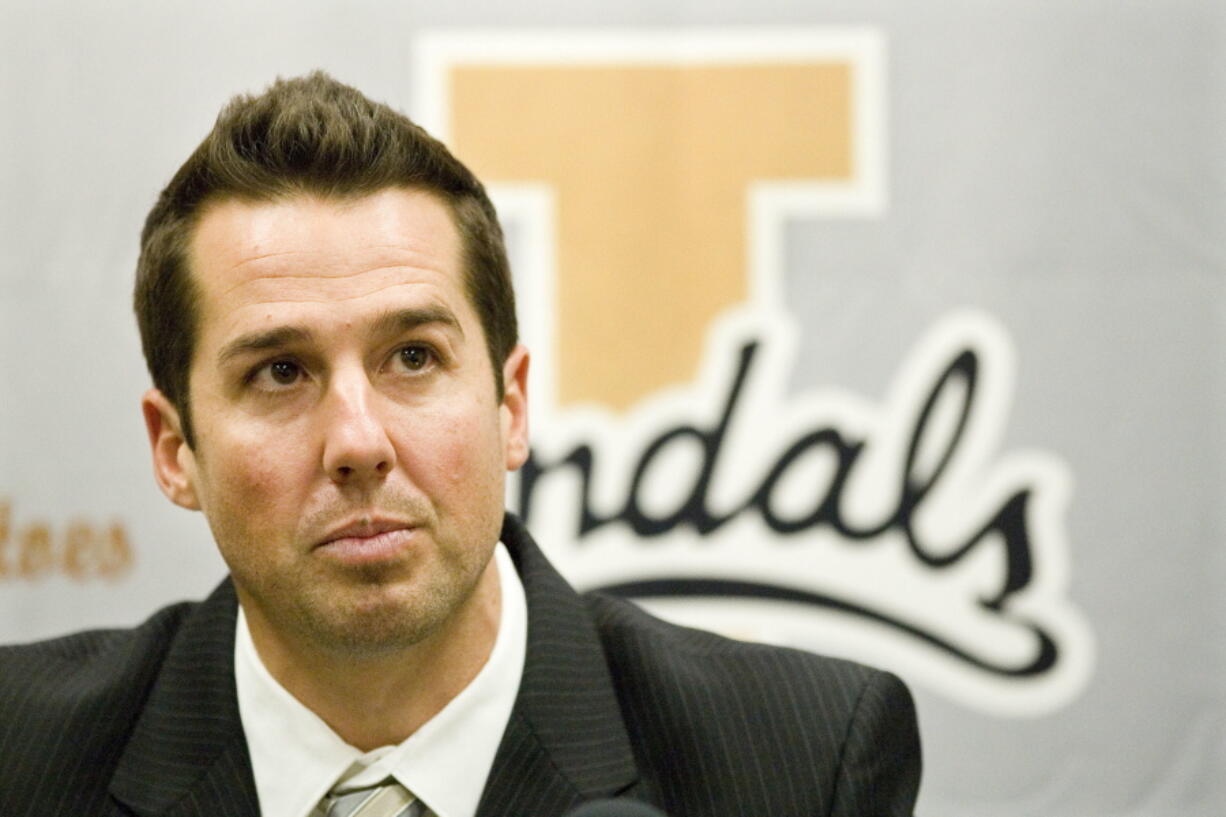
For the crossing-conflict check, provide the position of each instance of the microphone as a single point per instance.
(621, 807)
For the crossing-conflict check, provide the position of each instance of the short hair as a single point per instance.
(308, 135)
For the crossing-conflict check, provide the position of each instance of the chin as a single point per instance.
(378, 620)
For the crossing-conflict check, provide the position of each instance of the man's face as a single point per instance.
(350, 448)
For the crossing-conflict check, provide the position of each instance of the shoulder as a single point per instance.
(636, 635)
(69, 703)
(648, 649)
(68, 673)
(820, 732)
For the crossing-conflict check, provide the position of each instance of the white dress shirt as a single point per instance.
(296, 757)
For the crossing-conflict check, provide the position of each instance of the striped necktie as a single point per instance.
(384, 799)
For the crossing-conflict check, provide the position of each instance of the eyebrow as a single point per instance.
(401, 320)
(262, 341)
(389, 323)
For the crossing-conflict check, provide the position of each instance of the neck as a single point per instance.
(374, 699)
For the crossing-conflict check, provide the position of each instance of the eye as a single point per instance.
(275, 375)
(416, 358)
(284, 372)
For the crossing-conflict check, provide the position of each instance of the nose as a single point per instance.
(357, 448)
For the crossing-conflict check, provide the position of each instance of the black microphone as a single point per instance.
(615, 808)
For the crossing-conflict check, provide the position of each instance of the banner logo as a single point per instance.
(81, 550)
(645, 180)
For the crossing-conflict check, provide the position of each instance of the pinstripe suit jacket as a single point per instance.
(613, 702)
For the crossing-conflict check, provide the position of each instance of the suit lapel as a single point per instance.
(565, 742)
(187, 755)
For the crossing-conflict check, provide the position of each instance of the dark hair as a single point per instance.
(307, 135)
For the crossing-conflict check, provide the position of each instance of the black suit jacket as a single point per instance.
(613, 703)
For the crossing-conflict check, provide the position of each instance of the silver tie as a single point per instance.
(385, 799)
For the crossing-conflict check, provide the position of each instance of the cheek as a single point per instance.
(254, 515)
(257, 480)
(461, 461)
(244, 487)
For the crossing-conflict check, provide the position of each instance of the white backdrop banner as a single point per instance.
(892, 331)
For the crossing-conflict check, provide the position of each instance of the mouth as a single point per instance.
(368, 541)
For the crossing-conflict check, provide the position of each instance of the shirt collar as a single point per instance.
(296, 757)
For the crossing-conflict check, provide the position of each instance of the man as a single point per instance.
(326, 310)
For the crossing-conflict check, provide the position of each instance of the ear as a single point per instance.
(515, 407)
(174, 463)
